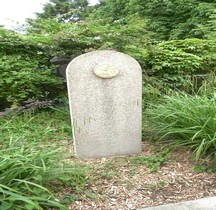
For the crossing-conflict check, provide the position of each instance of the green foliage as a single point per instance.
(152, 162)
(168, 19)
(184, 120)
(12, 43)
(32, 169)
(22, 172)
(115, 9)
(172, 64)
(209, 29)
(178, 19)
(165, 16)
(174, 61)
(64, 10)
(38, 127)
(24, 70)
(42, 29)
(126, 35)
(23, 78)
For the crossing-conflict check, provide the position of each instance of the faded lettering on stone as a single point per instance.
(105, 96)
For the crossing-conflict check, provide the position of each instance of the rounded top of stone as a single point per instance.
(104, 64)
(105, 70)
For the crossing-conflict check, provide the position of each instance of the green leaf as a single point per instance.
(6, 205)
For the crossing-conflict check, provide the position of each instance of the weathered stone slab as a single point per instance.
(105, 96)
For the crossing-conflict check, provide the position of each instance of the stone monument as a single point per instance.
(105, 97)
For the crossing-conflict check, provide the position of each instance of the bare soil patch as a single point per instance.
(118, 184)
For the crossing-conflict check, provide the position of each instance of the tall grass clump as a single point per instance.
(186, 120)
(32, 167)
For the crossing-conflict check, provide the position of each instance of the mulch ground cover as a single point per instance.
(121, 184)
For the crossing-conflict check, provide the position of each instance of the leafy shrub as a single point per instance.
(175, 61)
(91, 34)
(23, 78)
(34, 47)
(25, 71)
(186, 120)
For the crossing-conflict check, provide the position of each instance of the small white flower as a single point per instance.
(96, 37)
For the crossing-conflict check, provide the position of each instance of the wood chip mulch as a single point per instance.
(117, 184)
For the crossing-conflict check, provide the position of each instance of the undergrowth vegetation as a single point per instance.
(32, 169)
(186, 120)
(25, 70)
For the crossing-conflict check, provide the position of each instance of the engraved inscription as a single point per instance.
(105, 70)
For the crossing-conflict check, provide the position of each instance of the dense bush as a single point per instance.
(25, 70)
(36, 47)
(167, 19)
(174, 64)
(23, 78)
(91, 34)
(174, 61)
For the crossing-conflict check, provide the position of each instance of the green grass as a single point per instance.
(152, 162)
(185, 120)
(33, 161)
(32, 167)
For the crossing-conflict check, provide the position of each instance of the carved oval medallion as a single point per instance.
(106, 70)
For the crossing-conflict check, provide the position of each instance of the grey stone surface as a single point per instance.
(105, 110)
(200, 204)
(59, 60)
(62, 70)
